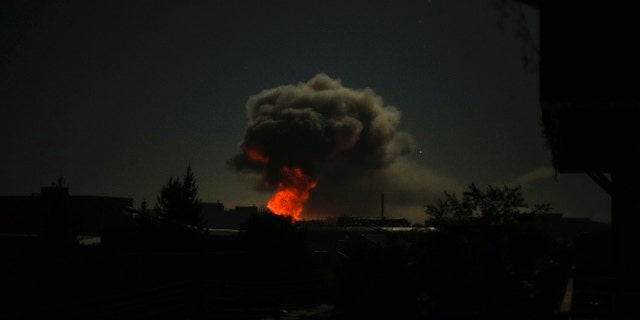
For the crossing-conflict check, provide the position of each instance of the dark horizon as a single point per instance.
(148, 269)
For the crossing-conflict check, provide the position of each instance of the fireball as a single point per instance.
(293, 193)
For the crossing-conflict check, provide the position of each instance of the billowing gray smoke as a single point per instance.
(345, 138)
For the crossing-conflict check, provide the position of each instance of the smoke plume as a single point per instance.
(344, 140)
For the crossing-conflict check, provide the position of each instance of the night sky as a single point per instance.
(116, 97)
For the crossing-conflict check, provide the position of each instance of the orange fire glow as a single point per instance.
(255, 156)
(293, 192)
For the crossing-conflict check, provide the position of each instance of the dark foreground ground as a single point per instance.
(291, 273)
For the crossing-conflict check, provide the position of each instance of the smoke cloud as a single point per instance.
(346, 139)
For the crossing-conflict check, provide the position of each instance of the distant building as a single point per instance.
(218, 217)
(552, 224)
(54, 208)
(556, 224)
(346, 221)
(382, 222)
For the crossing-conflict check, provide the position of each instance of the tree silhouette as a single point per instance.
(494, 205)
(144, 214)
(178, 201)
(509, 267)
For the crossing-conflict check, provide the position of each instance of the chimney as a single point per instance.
(382, 206)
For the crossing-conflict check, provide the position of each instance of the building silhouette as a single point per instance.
(55, 208)
(218, 217)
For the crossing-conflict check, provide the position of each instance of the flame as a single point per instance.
(293, 192)
(255, 156)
